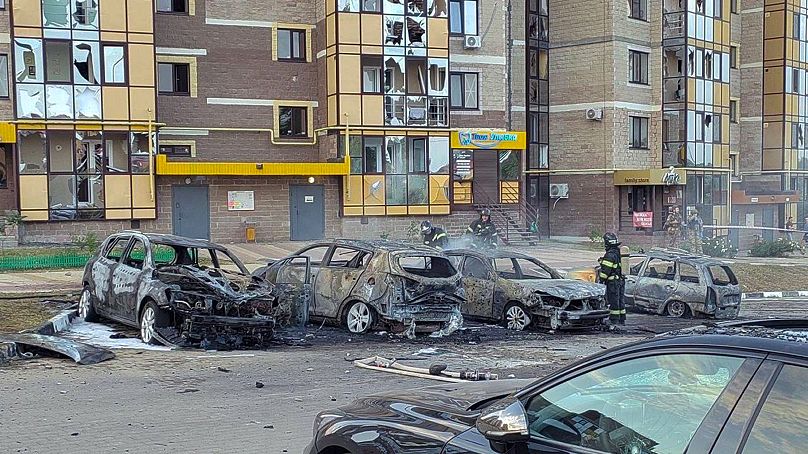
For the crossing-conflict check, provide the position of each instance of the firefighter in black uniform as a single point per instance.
(483, 231)
(434, 236)
(611, 274)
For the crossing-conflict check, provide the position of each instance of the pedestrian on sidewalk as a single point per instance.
(805, 232)
(673, 226)
(789, 228)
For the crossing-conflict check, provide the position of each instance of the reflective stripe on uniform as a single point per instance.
(605, 262)
(615, 312)
(607, 277)
(440, 235)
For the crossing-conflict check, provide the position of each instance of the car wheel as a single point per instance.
(151, 317)
(87, 306)
(515, 317)
(359, 318)
(676, 309)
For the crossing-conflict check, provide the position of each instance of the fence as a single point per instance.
(33, 262)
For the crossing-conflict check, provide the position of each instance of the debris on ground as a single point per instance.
(259, 385)
(223, 369)
(27, 345)
(434, 372)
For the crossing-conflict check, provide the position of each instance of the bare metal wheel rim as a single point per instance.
(358, 318)
(517, 318)
(676, 308)
(147, 325)
(84, 304)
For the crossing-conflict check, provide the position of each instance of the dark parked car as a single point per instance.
(734, 389)
(180, 291)
(361, 284)
(521, 291)
(679, 284)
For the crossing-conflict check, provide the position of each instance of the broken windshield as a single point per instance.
(427, 266)
(169, 254)
(722, 275)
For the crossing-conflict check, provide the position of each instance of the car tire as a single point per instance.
(359, 318)
(676, 309)
(515, 317)
(151, 317)
(87, 305)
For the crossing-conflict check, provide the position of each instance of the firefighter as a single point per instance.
(434, 236)
(611, 274)
(483, 230)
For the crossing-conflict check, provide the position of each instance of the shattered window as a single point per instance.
(348, 6)
(56, 13)
(506, 268)
(416, 32)
(508, 165)
(475, 268)
(533, 270)
(139, 154)
(374, 155)
(417, 148)
(635, 264)
(315, 254)
(137, 255)
(349, 258)
(416, 76)
(62, 196)
(85, 14)
(394, 110)
(60, 151)
(438, 76)
(780, 425)
(394, 75)
(396, 189)
(417, 192)
(89, 152)
(163, 254)
(675, 391)
(393, 29)
(116, 146)
(439, 155)
(722, 275)
(291, 44)
(661, 269)
(395, 154)
(114, 65)
(427, 266)
(116, 249)
(86, 63)
(59, 99)
(292, 122)
(373, 6)
(416, 111)
(28, 60)
(31, 149)
(688, 273)
(394, 7)
(57, 58)
(438, 111)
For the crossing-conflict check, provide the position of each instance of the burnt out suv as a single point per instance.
(363, 284)
(180, 291)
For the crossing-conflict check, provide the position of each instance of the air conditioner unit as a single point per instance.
(472, 42)
(594, 114)
(559, 191)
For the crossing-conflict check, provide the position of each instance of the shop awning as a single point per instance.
(650, 177)
(166, 167)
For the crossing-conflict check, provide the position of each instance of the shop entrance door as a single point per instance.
(485, 186)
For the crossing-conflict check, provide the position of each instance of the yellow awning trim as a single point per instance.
(8, 133)
(166, 167)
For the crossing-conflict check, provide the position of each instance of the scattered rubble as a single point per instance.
(435, 372)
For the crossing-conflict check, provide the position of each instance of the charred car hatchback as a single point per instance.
(180, 291)
(361, 284)
(680, 285)
(521, 291)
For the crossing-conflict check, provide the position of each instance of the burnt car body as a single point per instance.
(180, 291)
(364, 283)
(521, 291)
(716, 389)
(679, 284)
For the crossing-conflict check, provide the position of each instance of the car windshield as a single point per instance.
(722, 275)
(172, 254)
(426, 266)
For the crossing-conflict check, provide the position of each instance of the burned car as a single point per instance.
(362, 284)
(521, 291)
(679, 284)
(180, 291)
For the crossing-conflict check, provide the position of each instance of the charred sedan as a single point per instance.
(179, 291)
(361, 284)
(521, 291)
(682, 285)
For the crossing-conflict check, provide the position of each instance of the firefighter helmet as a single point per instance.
(426, 227)
(610, 239)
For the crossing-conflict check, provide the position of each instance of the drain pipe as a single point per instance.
(508, 67)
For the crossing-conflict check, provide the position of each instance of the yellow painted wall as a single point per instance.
(27, 13)
(113, 15)
(140, 16)
(141, 65)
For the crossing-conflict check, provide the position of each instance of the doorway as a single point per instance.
(190, 216)
(306, 212)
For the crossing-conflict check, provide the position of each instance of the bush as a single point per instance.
(719, 246)
(86, 243)
(595, 234)
(777, 248)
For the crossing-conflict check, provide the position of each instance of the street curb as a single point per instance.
(759, 295)
(56, 324)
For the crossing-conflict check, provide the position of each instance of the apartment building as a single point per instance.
(301, 120)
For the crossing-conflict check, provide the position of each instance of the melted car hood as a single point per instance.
(568, 289)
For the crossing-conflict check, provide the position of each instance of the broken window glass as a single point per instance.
(292, 122)
(463, 165)
(438, 74)
(60, 101)
(437, 8)
(673, 90)
(88, 102)
(374, 158)
(416, 110)
(348, 6)
(60, 151)
(28, 65)
(395, 154)
(114, 65)
(394, 75)
(394, 7)
(394, 110)
(31, 149)
(89, 152)
(416, 32)
(116, 145)
(396, 189)
(415, 7)
(417, 193)
(86, 63)
(57, 55)
(439, 155)
(393, 30)
(62, 195)
(139, 155)
(56, 13)
(438, 112)
(85, 14)
(89, 192)
(417, 147)
(416, 76)
(30, 101)
(533, 27)
(508, 166)
(371, 6)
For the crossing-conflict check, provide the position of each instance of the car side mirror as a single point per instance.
(504, 424)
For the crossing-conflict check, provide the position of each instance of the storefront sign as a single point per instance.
(488, 139)
(650, 177)
(240, 200)
(643, 219)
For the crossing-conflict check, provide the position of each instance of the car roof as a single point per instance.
(173, 240)
(497, 254)
(680, 255)
(386, 245)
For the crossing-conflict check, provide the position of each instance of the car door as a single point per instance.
(127, 278)
(656, 284)
(661, 403)
(690, 285)
(316, 255)
(636, 264)
(102, 271)
(479, 281)
(337, 278)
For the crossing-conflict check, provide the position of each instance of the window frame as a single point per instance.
(641, 57)
(125, 48)
(733, 111)
(733, 57)
(462, 31)
(373, 62)
(186, 11)
(303, 33)
(8, 75)
(8, 163)
(643, 121)
(644, 11)
(462, 75)
(174, 153)
(305, 134)
(174, 91)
